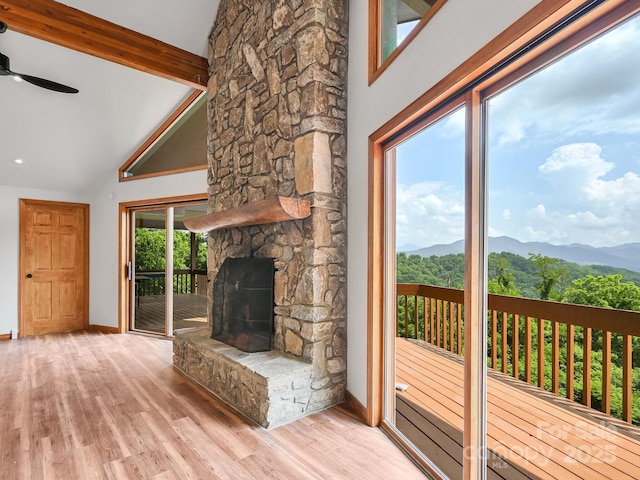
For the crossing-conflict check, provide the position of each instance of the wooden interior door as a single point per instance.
(54, 267)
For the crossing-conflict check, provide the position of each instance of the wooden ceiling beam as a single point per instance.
(66, 26)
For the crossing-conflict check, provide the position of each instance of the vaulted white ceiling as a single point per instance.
(71, 142)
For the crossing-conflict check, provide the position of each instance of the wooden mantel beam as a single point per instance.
(66, 26)
(276, 209)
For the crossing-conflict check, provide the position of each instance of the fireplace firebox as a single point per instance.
(243, 303)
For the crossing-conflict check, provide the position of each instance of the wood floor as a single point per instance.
(531, 433)
(95, 406)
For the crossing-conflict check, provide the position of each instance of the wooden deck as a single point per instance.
(531, 433)
(189, 310)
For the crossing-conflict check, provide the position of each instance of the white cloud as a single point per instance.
(581, 157)
(428, 213)
(621, 191)
(540, 211)
(506, 214)
(594, 91)
(585, 206)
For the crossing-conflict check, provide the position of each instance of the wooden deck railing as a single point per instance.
(521, 330)
(184, 281)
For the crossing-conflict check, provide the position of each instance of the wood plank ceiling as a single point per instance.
(66, 26)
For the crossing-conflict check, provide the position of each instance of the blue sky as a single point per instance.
(564, 156)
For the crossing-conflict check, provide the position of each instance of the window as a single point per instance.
(179, 145)
(534, 351)
(392, 25)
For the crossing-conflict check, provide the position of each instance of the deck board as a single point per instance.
(189, 310)
(531, 433)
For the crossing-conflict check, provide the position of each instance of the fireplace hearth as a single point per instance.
(243, 304)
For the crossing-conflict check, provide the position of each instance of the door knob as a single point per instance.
(29, 275)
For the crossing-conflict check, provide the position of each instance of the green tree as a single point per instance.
(504, 283)
(606, 291)
(150, 249)
(551, 275)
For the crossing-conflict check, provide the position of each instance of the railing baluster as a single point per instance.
(541, 353)
(452, 331)
(459, 343)
(515, 346)
(415, 317)
(527, 349)
(586, 366)
(438, 316)
(494, 339)
(555, 356)
(406, 316)
(431, 319)
(570, 361)
(504, 352)
(627, 379)
(446, 306)
(606, 372)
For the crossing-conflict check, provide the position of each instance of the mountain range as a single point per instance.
(621, 256)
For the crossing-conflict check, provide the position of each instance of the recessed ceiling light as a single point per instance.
(18, 161)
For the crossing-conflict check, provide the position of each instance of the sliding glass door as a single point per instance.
(167, 270)
(511, 282)
(148, 267)
(426, 264)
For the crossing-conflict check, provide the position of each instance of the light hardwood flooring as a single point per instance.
(96, 406)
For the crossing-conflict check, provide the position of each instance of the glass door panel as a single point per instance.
(563, 203)
(149, 265)
(189, 270)
(425, 323)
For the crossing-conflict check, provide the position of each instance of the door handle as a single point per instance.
(29, 275)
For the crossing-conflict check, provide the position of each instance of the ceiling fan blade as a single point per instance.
(48, 84)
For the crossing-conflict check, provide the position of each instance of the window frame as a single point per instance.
(376, 65)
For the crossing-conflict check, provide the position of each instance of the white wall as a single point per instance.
(103, 246)
(455, 33)
(103, 303)
(10, 246)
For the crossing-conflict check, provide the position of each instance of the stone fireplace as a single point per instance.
(277, 123)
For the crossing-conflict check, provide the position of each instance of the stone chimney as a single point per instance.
(277, 125)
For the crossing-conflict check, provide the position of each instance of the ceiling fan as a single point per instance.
(5, 71)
